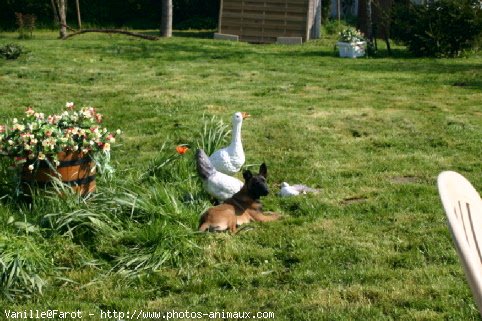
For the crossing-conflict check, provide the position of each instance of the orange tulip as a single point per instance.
(181, 149)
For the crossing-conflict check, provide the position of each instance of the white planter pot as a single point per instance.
(351, 49)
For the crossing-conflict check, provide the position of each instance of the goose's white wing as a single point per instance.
(222, 186)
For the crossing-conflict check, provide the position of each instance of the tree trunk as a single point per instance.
(63, 18)
(166, 18)
(55, 12)
(316, 31)
(369, 21)
(79, 21)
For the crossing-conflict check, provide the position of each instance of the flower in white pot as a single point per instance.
(351, 43)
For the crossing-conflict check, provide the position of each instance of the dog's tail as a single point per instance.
(265, 218)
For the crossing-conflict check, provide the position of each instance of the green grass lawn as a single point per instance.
(372, 134)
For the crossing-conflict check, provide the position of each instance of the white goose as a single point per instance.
(217, 184)
(229, 160)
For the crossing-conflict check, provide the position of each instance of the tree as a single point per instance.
(316, 32)
(55, 12)
(369, 21)
(166, 18)
(63, 18)
(77, 7)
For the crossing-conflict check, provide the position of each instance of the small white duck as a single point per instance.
(229, 160)
(217, 184)
(294, 190)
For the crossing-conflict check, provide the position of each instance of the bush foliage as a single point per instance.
(11, 51)
(439, 28)
(141, 14)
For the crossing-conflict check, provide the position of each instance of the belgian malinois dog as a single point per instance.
(243, 207)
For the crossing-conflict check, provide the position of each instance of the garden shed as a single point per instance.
(267, 21)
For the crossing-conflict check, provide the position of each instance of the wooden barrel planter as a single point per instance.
(75, 170)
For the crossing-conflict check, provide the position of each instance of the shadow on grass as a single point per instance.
(197, 34)
(208, 49)
(208, 34)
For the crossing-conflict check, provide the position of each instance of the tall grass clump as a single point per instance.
(165, 211)
(214, 134)
(23, 266)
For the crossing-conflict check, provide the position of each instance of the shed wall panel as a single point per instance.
(265, 20)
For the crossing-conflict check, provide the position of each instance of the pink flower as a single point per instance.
(30, 111)
(20, 160)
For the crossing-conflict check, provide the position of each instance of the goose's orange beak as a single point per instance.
(245, 115)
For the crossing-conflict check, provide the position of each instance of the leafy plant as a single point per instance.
(11, 51)
(439, 27)
(334, 27)
(169, 165)
(351, 35)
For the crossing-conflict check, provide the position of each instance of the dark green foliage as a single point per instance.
(198, 23)
(334, 27)
(41, 9)
(11, 51)
(440, 28)
(325, 11)
(193, 10)
(142, 14)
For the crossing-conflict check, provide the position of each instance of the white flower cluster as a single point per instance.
(351, 35)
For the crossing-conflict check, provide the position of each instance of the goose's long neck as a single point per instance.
(236, 139)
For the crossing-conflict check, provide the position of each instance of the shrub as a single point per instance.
(334, 27)
(439, 28)
(325, 11)
(11, 51)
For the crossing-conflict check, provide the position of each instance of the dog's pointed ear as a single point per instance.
(263, 170)
(247, 175)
